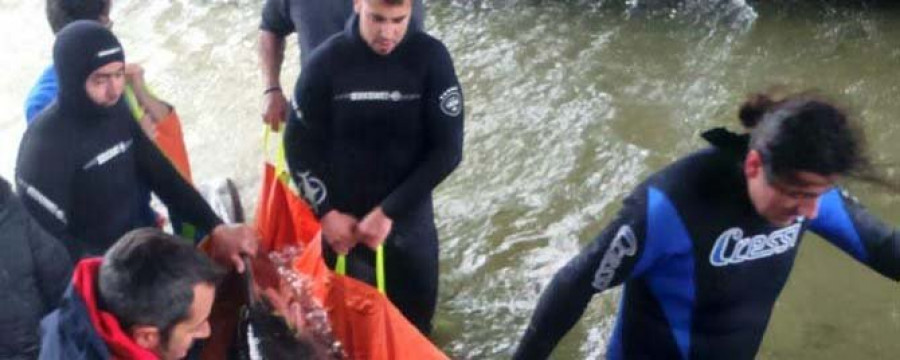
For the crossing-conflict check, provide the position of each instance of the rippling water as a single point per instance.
(569, 105)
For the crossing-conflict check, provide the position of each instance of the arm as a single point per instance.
(228, 242)
(306, 143)
(443, 113)
(165, 181)
(848, 225)
(276, 25)
(52, 262)
(608, 261)
(43, 185)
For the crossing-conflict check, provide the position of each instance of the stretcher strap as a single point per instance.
(341, 267)
(281, 172)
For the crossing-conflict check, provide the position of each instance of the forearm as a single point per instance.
(170, 186)
(271, 56)
(436, 167)
(561, 305)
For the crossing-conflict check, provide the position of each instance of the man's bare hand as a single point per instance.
(275, 108)
(339, 230)
(374, 228)
(230, 241)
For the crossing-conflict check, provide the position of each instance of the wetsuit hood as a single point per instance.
(81, 48)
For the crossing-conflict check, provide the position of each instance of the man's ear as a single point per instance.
(753, 165)
(146, 336)
(356, 5)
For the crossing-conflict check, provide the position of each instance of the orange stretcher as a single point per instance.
(362, 319)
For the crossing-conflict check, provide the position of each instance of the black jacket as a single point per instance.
(34, 271)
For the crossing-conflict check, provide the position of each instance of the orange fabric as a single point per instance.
(364, 321)
(170, 139)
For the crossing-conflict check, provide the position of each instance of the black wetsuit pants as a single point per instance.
(410, 266)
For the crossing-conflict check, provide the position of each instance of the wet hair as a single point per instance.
(804, 132)
(391, 2)
(147, 278)
(62, 12)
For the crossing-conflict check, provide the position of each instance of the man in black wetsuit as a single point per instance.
(377, 125)
(314, 21)
(83, 162)
(705, 246)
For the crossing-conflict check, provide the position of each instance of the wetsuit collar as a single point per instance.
(81, 48)
(351, 29)
(736, 144)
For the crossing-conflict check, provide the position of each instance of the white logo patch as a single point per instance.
(44, 201)
(451, 101)
(312, 189)
(109, 154)
(732, 248)
(393, 96)
(108, 52)
(624, 244)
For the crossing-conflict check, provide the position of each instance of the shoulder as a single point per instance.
(704, 173)
(329, 52)
(423, 45)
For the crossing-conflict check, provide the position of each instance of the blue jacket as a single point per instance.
(42, 94)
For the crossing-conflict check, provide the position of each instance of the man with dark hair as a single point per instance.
(149, 297)
(83, 164)
(314, 21)
(705, 246)
(378, 124)
(34, 271)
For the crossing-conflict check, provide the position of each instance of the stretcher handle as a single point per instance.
(341, 267)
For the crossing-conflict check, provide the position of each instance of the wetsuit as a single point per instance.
(370, 130)
(316, 20)
(701, 268)
(81, 166)
(41, 96)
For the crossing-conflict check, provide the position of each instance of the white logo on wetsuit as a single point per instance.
(393, 96)
(108, 52)
(109, 154)
(624, 244)
(732, 248)
(43, 200)
(312, 189)
(451, 101)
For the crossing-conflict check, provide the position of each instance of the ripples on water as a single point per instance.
(569, 105)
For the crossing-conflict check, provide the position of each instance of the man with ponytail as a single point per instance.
(705, 246)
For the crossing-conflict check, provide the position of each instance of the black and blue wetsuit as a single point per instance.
(82, 168)
(316, 20)
(701, 268)
(369, 130)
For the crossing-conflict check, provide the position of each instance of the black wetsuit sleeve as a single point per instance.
(276, 17)
(306, 136)
(165, 181)
(844, 222)
(606, 262)
(443, 117)
(40, 171)
(52, 264)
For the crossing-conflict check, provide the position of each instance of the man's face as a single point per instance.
(382, 25)
(196, 326)
(105, 85)
(782, 200)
